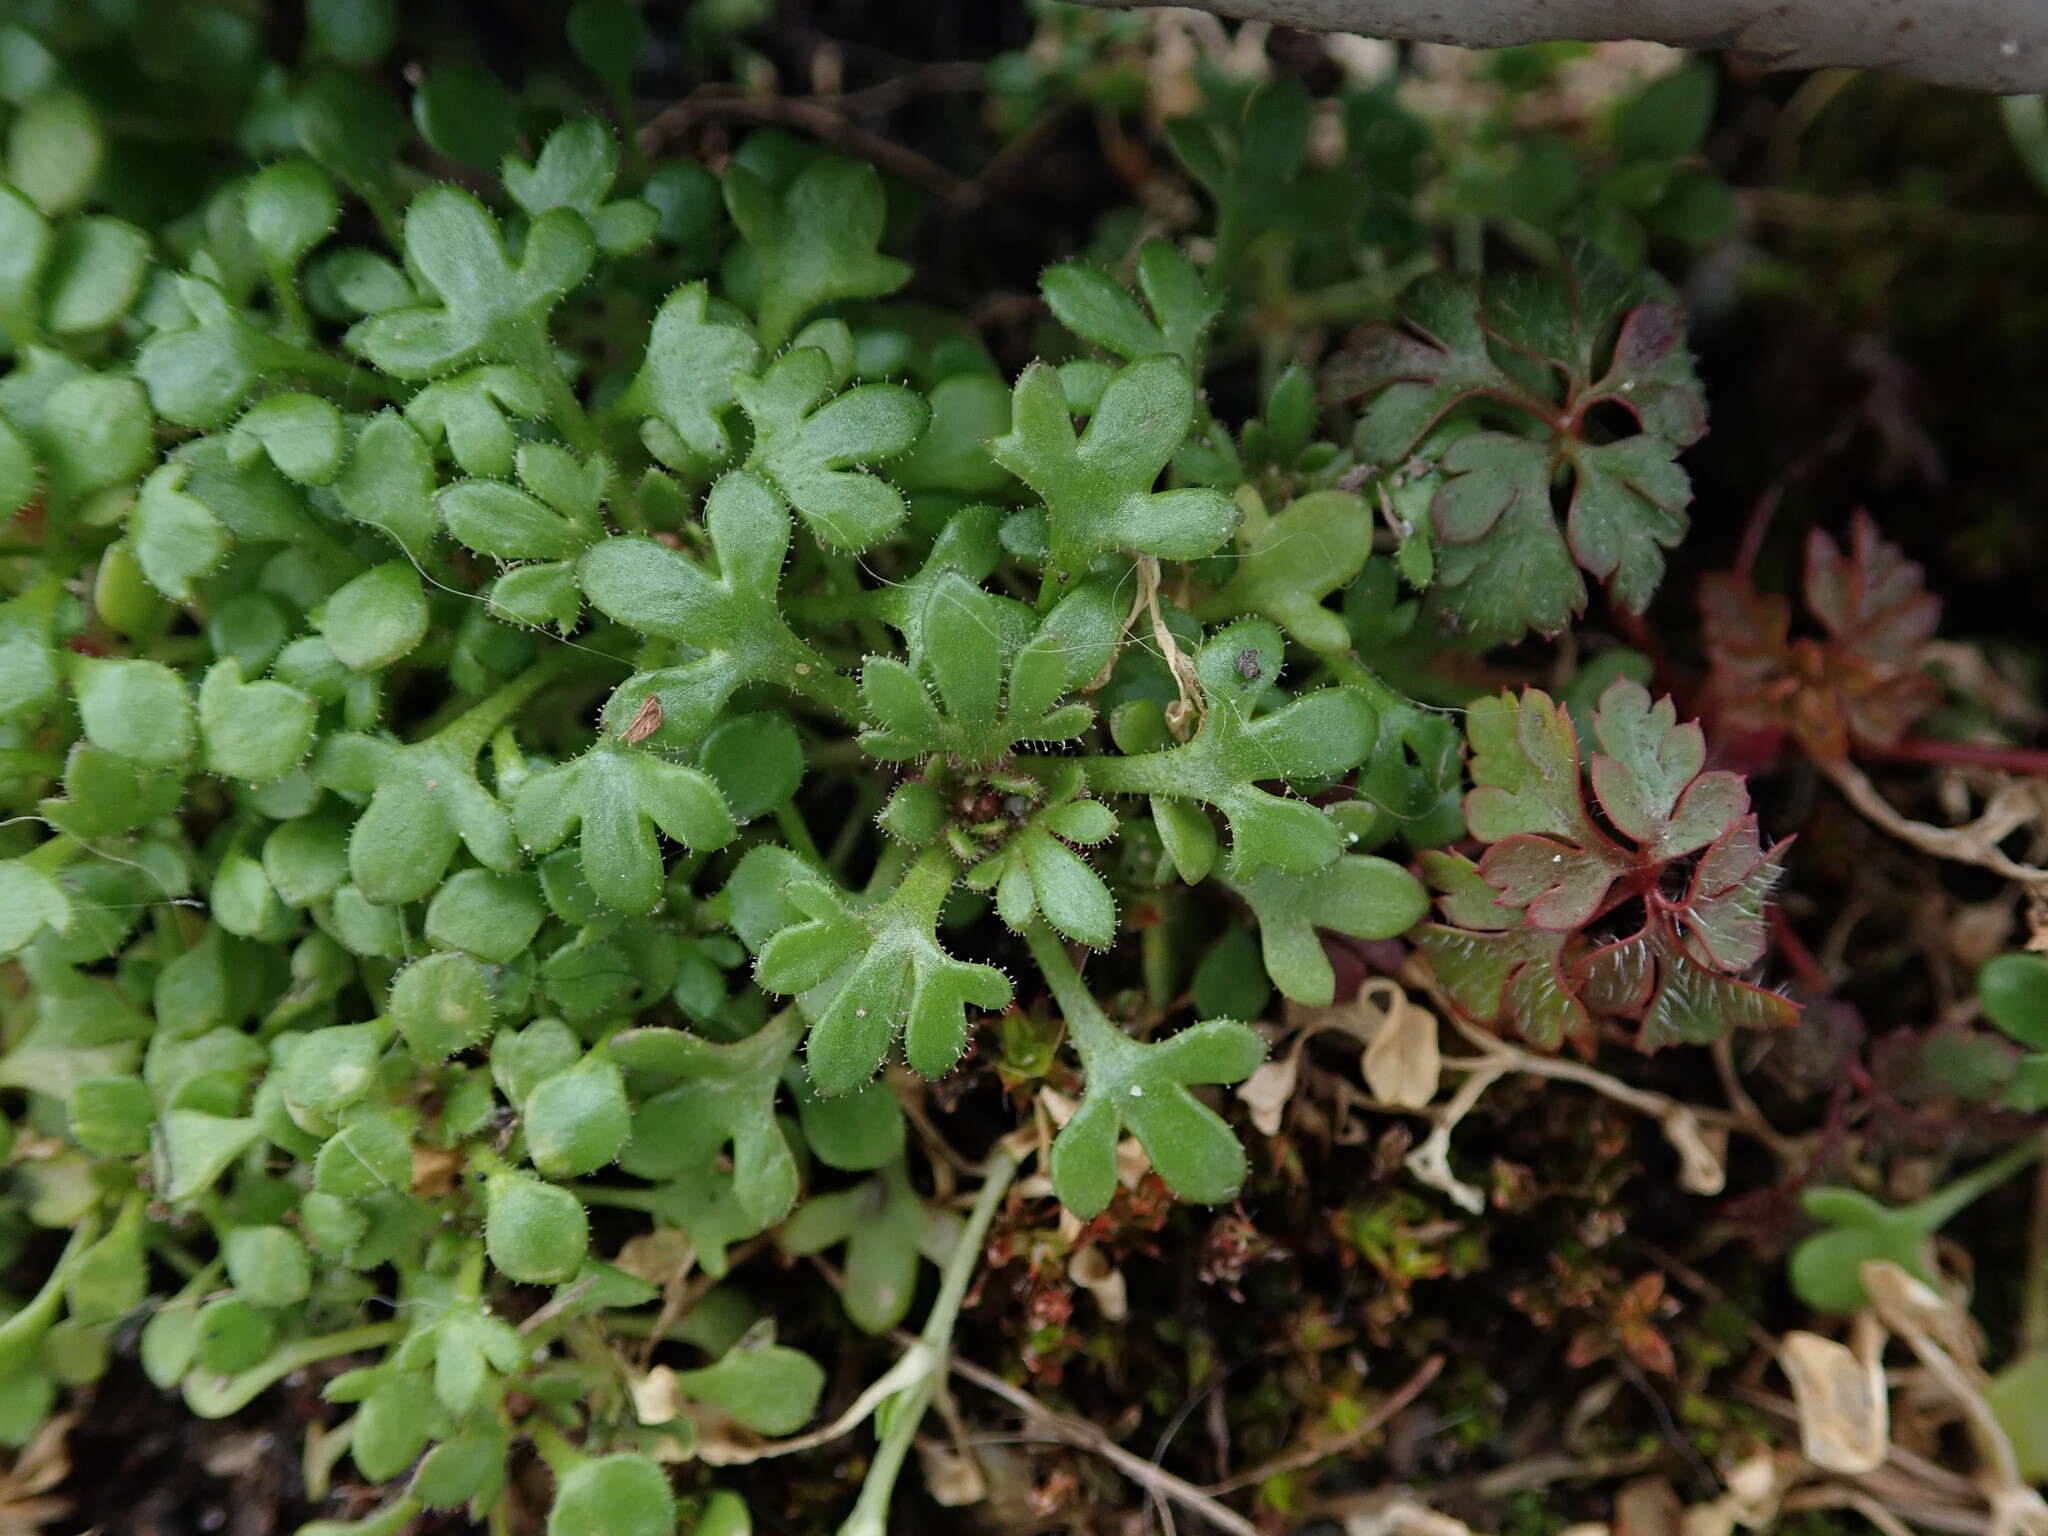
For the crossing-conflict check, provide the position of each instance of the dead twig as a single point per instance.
(808, 115)
(1372, 1423)
(2011, 806)
(1048, 1424)
(1701, 1169)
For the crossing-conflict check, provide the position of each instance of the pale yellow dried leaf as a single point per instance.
(1266, 1092)
(657, 1257)
(1702, 1152)
(1844, 1417)
(1094, 1273)
(1647, 1506)
(951, 1476)
(656, 1398)
(1403, 1065)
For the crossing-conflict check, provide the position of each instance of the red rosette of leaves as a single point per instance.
(1634, 890)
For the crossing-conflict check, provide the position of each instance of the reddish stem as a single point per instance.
(1966, 754)
(1805, 964)
(1753, 531)
(1765, 509)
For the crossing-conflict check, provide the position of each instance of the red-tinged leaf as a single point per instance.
(1870, 596)
(1533, 362)
(1879, 619)
(1695, 1006)
(1564, 921)
(1556, 886)
(1513, 978)
(1860, 682)
(1525, 769)
(1751, 691)
(1648, 777)
(1649, 1349)
(1724, 910)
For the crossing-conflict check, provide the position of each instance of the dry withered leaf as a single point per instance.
(951, 1476)
(1844, 1414)
(435, 1170)
(29, 1503)
(1647, 1506)
(1702, 1151)
(645, 722)
(1092, 1270)
(1403, 1065)
(1266, 1092)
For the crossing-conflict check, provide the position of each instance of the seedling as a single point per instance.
(1826, 1267)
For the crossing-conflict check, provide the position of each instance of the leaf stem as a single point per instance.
(1149, 773)
(47, 858)
(1353, 673)
(2034, 1304)
(558, 1453)
(1965, 754)
(347, 376)
(284, 286)
(468, 731)
(797, 832)
(1086, 1022)
(216, 1398)
(815, 679)
(927, 883)
(537, 357)
(22, 1334)
(900, 1416)
(1945, 1203)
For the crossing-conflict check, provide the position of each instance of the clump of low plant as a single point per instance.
(521, 701)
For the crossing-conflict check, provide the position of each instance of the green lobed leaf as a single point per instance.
(808, 446)
(619, 797)
(489, 310)
(889, 976)
(1098, 486)
(1359, 895)
(1321, 733)
(813, 242)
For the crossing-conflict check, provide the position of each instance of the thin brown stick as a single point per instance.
(1048, 1424)
(1309, 1455)
(810, 116)
(2011, 807)
(1834, 1496)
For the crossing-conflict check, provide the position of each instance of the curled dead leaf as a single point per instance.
(1094, 1273)
(645, 723)
(1702, 1153)
(434, 1170)
(1755, 1487)
(656, 1398)
(1266, 1092)
(1647, 1506)
(1844, 1415)
(1908, 1303)
(1403, 1064)
(951, 1475)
